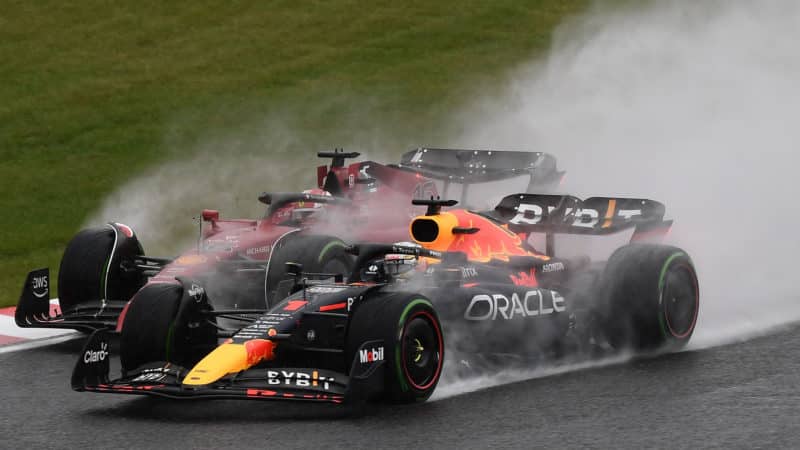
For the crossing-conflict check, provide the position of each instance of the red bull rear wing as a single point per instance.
(566, 214)
(569, 214)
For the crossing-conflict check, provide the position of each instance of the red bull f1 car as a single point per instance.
(469, 284)
(241, 261)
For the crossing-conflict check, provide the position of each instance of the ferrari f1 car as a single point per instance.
(241, 262)
(469, 283)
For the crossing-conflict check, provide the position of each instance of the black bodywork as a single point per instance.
(360, 186)
(530, 308)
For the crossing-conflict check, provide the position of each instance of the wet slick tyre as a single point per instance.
(317, 254)
(413, 343)
(157, 327)
(653, 297)
(85, 273)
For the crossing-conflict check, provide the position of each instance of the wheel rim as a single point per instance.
(680, 300)
(421, 351)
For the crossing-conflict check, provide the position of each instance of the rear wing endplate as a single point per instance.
(479, 166)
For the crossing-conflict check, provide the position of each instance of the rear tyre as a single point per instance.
(413, 342)
(158, 327)
(653, 297)
(87, 274)
(317, 254)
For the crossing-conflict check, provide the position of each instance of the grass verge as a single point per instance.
(93, 93)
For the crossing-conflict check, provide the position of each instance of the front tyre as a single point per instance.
(653, 297)
(413, 340)
(91, 268)
(162, 324)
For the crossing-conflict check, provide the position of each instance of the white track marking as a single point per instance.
(39, 342)
(9, 328)
(31, 337)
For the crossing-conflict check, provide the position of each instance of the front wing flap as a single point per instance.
(33, 308)
(163, 379)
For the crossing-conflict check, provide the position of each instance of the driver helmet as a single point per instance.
(300, 210)
(391, 266)
(401, 265)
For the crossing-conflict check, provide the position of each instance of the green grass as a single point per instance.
(92, 95)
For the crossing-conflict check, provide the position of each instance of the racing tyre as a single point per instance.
(161, 324)
(317, 254)
(413, 341)
(653, 297)
(90, 267)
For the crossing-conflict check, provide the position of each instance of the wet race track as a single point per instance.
(739, 395)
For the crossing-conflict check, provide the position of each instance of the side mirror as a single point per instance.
(210, 215)
(294, 269)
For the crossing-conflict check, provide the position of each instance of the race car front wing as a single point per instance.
(33, 308)
(163, 379)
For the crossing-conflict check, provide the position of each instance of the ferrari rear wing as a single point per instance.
(566, 214)
(162, 379)
(478, 166)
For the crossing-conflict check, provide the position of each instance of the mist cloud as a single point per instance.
(690, 103)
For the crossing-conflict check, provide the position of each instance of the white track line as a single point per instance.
(39, 342)
(8, 327)
(30, 337)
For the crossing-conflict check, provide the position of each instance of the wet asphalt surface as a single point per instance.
(743, 395)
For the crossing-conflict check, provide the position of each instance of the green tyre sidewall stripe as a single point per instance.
(661, 277)
(400, 324)
(328, 247)
(168, 344)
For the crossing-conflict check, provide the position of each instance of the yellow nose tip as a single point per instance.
(229, 358)
(225, 359)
